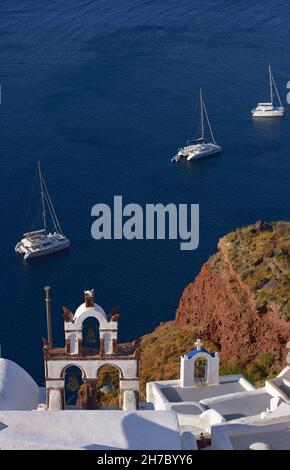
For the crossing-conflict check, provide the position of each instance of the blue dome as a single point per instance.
(193, 352)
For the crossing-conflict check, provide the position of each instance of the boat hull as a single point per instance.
(209, 151)
(276, 112)
(20, 249)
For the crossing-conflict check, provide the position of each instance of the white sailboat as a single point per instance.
(42, 242)
(268, 109)
(198, 148)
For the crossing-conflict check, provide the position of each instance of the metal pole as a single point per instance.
(271, 86)
(42, 196)
(201, 113)
(48, 315)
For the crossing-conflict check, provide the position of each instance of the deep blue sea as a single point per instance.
(103, 92)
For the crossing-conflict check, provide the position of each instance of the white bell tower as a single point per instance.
(199, 367)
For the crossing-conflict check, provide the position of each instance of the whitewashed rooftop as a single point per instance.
(89, 430)
(274, 431)
(228, 384)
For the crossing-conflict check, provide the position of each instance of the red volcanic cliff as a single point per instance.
(240, 300)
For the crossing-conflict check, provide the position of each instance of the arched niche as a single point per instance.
(91, 333)
(200, 370)
(73, 380)
(108, 386)
(84, 312)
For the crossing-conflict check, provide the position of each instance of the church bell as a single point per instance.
(107, 385)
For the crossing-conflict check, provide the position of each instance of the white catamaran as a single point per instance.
(42, 242)
(268, 109)
(198, 148)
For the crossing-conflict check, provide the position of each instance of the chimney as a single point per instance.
(89, 297)
(48, 315)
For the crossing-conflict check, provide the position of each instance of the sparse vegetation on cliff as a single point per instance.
(260, 255)
(239, 304)
(161, 351)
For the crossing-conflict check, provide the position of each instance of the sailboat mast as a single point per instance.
(276, 90)
(42, 197)
(208, 123)
(51, 209)
(271, 84)
(201, 114)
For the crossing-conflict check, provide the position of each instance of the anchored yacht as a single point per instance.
(198, 148)
(43, 242)
(269, 109)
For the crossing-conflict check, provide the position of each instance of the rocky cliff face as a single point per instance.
(241, 298)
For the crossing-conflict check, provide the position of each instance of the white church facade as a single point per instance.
(90, 359)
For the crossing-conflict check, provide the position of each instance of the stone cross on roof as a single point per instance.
(198, 344)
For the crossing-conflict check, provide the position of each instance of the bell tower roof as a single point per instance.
(198, 349)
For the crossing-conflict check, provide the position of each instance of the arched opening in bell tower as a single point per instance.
(109, 387)
(73, 380)
(91, 334)
(200, 370)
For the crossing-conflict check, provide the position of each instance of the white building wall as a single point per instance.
(74, 348)
(55, 402)
(155, 396)
(108, 337)
(187, 378)
(129, 400)
(213, 370)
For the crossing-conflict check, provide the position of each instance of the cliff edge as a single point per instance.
(239, 304)
(241, 298)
